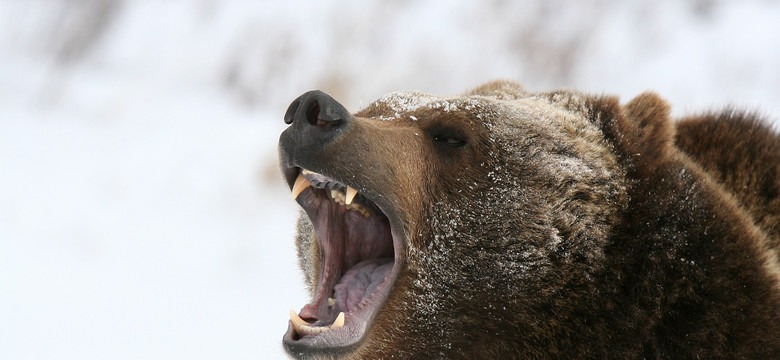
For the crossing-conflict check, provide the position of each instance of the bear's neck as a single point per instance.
(680, 268)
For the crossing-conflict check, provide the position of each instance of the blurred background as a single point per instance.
(142, 214)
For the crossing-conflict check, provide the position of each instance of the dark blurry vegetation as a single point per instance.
(76, 26)
(352, 45)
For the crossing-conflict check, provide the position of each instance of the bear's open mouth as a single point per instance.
(360, 258)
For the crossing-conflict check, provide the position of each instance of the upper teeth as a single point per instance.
(351, 192)
(301, 183)
(342, 199)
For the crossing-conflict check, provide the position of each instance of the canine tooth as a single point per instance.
(308, 172)
(297, 322)
(331, 301)
(351, 192)
(300, 184)
(339, 321)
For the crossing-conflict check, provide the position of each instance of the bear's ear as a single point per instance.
(648, 128)
(642, 129)
(500, 89)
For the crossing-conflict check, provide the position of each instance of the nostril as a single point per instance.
(317, 109)
(313, 113)
(322, 117)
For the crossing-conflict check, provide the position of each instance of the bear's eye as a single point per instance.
(449, 140)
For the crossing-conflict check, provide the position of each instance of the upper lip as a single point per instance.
(359, 316)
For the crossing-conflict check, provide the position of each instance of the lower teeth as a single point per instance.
(303, 328)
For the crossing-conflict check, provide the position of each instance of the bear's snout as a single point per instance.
(318, 109)
(316, 120)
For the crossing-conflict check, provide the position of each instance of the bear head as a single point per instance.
(470, 226)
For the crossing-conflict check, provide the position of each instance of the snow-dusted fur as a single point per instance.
(569, 226)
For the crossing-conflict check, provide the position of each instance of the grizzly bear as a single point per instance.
(505, 224)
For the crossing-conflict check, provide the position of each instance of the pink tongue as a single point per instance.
(360, 281)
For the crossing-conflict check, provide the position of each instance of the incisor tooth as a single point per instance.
(300, 184)
(297, 322)
(308, 172)
(313, 330)
(339, 321)
(351, 192)
(331, 301)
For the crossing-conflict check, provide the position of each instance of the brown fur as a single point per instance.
(569, 226)
(743, 154)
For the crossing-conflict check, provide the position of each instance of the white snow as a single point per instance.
(141, 210)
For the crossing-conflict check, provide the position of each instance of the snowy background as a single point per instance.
(142, 215)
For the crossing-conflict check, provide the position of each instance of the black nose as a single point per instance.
(317, 108)
(317, 122)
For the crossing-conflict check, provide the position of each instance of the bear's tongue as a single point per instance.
(359, 282)
(351, 294)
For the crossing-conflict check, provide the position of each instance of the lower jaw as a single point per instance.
(352, 334)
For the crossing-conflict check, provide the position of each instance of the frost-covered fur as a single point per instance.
(569, 226)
